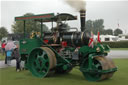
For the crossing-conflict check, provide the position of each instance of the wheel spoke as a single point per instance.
(41, 54)
(37, 63)
(35, 56)
(42, 63)
(98, 66)
(38, 54)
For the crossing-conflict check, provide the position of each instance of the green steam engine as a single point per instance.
(60, 50)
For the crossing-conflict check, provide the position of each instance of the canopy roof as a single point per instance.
(47, 17)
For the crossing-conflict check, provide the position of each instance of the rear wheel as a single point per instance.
(41, 61)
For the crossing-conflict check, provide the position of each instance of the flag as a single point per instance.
(118, 25)
(90, 44)
(98, 37)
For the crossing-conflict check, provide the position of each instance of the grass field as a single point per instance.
(119, 48)
(8, 76)
(2, 57)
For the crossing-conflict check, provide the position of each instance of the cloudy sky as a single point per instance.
(112, 11)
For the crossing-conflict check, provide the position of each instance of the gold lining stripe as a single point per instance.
(82, 37)
(72, 38)
(82, 16)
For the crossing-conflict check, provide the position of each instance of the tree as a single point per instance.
(95, 26)
(31, 25)
(89, 25)
(98, 26)
(117, 32)
(108, 32)
(3, 32)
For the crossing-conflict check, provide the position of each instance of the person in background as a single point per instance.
(8, 56)
(3, 47)
(16, 55)
(3, 50)
(9, 48)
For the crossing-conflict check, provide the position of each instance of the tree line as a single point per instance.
(98, 25)
(31, 25)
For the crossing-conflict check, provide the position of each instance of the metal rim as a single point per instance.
(51, 54)
(111, 65)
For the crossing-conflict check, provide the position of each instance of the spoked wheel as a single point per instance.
(98, 64)
(41, 61)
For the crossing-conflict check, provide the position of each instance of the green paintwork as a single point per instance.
(99, 49)
(65, 67)
(27, 45)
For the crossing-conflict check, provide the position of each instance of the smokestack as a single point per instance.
(79, 5)
(82, 19)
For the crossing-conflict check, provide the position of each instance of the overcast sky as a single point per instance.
(113, 12)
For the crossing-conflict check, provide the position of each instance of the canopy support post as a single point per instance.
(41, 28)
(24, 30)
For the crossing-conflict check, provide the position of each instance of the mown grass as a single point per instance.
(2, 57)
(8, 76)
(119, 48)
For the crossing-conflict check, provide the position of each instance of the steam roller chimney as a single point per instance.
(82, 19)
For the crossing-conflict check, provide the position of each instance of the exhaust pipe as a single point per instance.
(82, 19)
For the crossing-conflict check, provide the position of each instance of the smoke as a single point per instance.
(77, 4)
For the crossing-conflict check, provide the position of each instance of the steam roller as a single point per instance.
(60, 50)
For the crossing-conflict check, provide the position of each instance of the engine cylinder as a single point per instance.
(72, 38)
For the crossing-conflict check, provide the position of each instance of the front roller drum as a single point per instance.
(42, 61)
(101, 69)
